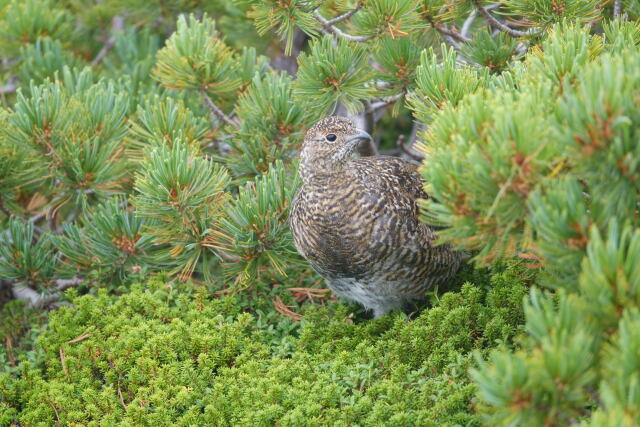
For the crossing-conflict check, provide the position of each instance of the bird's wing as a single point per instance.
(391, 188)
(390, 174)
(386, 171)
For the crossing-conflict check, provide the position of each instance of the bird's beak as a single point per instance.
(360, 136)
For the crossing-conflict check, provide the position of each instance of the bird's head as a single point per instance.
(328, 145)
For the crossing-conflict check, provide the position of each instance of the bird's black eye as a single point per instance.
(331, 137)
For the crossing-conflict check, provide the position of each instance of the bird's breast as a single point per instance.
(335, 229)
(330, 230)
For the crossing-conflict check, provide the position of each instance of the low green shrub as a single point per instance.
(167, 355)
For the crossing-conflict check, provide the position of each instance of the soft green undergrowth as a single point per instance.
(164, 354)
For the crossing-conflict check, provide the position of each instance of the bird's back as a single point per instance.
(359, 228)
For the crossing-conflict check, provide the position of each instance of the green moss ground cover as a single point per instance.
(162, 354)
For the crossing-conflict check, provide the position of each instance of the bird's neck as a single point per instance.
(318, 171)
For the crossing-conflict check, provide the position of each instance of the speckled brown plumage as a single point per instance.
(356, 222)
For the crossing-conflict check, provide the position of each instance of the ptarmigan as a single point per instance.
(356, 221)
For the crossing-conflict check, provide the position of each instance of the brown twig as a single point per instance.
(52, 213)
(369, 148)
(281, 308)
(226, 291)
(55, 409)
(308, 293)
(228, 257)
(63, 361)
(120, 396)
(472, 17)
(534, 257)
(79, 338)
(210, 241)
(9, 347)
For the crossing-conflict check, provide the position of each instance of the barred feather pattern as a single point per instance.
(357, 224)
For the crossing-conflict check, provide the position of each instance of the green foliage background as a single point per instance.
(148, 160)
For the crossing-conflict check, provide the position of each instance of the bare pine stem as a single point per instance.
(499, 25)
(116, 25)
(329, 28)
(384, 102)
(345, 15)
(617, 9)
(4, 209)
(216, 111)
(406, 149)
(10, 87)
(35, 299)
(442, 29)
(468, 22)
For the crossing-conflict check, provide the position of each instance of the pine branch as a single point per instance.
(51, 223)
(38, 300)
(227, 257)
(329, 28)
(370, 120)
(372, 107)
(8, 63)
(64, 284)
(472, 17)
(617, 9)
(403, 147)
(345, 15)
(406, 149)
(116, 26)
(36, 218)
(468, 22)
(442, 29)
(370, 148)
(499, 25)
(452, 42)
(35, 299)
(4, 209)
(10, 87)
(216, 111)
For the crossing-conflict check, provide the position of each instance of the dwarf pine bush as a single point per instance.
(551, 156)
(148, 155)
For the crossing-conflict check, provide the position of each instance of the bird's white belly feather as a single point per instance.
(372, 296)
